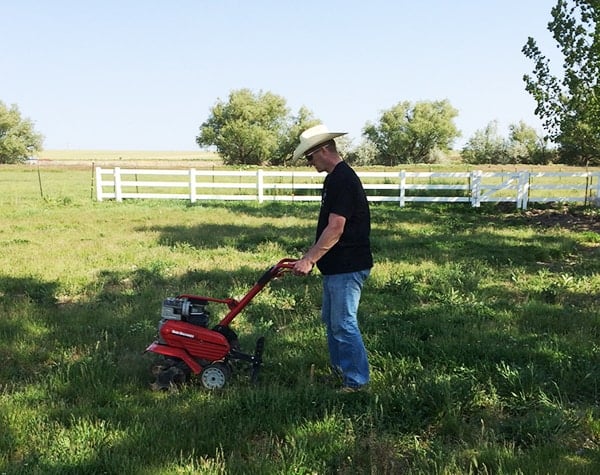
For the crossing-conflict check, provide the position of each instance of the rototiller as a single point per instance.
(188, 346)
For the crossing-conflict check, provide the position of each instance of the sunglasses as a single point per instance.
(309, 156)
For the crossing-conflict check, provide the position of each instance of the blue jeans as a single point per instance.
(347, 353)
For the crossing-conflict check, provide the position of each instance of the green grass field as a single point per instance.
(483, 329)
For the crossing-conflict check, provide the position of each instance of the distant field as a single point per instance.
(125, 157)
(201, 159)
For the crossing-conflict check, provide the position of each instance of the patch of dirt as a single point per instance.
(565, 218)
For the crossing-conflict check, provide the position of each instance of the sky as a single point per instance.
(144, 75)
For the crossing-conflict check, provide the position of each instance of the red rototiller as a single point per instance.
(188, 346)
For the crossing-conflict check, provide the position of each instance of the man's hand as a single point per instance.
(302, 267)
(328, 238)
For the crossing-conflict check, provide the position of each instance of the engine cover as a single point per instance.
(198, 341)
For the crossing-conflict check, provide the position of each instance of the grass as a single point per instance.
(482, 328)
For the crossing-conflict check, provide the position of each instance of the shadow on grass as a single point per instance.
(292, 240)
(459, 234)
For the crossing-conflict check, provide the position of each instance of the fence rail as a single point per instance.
(475, 187)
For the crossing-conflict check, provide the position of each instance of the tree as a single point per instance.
(18, 139)
(409, 133)
(570, 106)
(363, 155)
(526, 146)
(523, 145)
(252, 129)
(486, 146)
(290, 136)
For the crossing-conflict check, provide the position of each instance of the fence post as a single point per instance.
(192, 176)
(476, 176)
(260, 185)
(597, 197)
(99, 184)
(402, 187)
(118, 187)
(523, 190)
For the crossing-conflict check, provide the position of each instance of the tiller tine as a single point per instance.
(167, 378)
(257, 359)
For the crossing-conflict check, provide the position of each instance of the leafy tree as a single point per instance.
(570, 106)
(523, 145)
(409, 133)
(252, 129)
(18, 139)
(486, 146)
(290, 136)
(364, 154)
(526, 146)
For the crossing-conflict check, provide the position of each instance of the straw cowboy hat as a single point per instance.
(314, 136)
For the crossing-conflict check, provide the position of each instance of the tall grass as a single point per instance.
(482, 329)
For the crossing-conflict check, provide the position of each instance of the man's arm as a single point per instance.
(328, 238)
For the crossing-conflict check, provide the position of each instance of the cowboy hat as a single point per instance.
(312, 137)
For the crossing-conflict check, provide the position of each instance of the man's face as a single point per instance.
(315, 158)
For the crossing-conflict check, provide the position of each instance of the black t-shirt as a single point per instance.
(343, 194)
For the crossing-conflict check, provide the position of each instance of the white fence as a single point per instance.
(475, 187)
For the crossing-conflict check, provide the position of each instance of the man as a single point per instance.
(342, 252)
